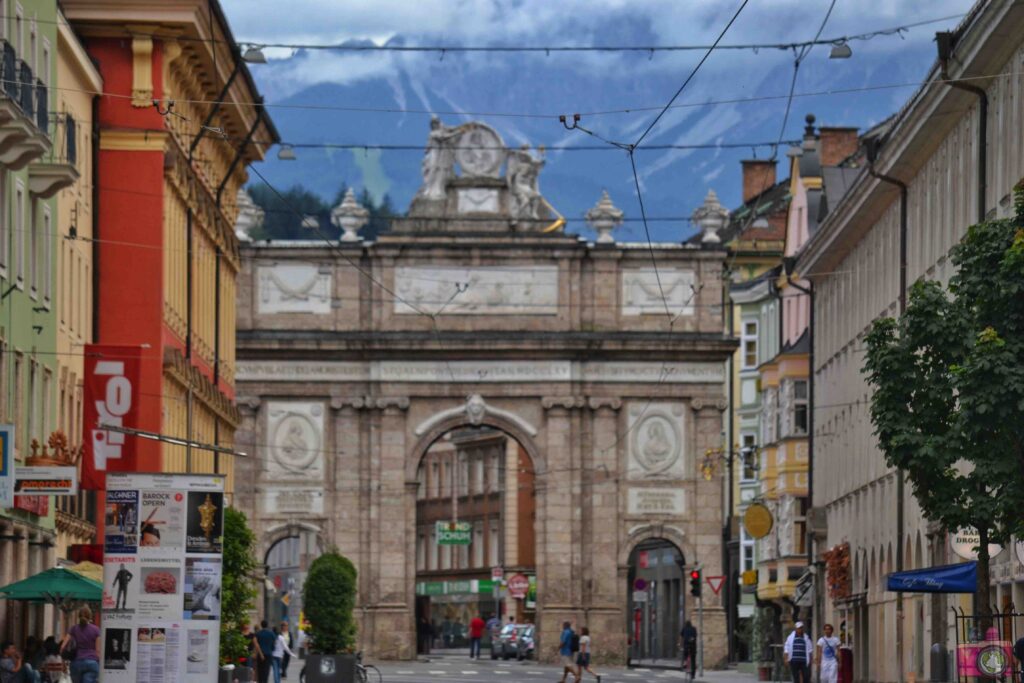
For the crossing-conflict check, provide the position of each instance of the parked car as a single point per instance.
(514, 640)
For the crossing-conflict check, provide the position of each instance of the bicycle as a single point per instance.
(364, 672)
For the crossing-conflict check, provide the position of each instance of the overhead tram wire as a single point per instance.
(554, 116)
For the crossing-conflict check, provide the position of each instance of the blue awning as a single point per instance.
(951, 578)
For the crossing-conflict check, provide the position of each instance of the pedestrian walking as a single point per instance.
(280, 650)
(476, 632)
(798, 650)
(425, 632)
(265, 642)
(583, 656)
(566, 650)
(286, 633)
(446, 632)
(80, 645)
(827, 656)
(688, 639)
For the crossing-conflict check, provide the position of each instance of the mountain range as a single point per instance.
(318, 97)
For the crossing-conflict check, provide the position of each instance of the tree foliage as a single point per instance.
(328, 598)
(238, 586)
(281, 219)
(949, 388)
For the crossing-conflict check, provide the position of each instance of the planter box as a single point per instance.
(239, 674)
(330, 669)
(764, 671)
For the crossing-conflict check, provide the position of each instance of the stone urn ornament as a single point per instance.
(350, 216)
(711, 217)
(604, 217)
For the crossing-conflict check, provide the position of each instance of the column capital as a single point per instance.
(354, 402)
(599, 402)
(390, 403)
(566, 402)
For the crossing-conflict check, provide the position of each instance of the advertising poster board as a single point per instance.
(162, 570)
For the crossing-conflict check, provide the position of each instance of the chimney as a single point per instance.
(758, 176)
(836, 144)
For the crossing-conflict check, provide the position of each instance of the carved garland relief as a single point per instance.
(294, 288)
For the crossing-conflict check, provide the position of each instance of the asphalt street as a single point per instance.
(462, 669)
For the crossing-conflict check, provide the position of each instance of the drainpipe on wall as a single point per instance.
(872, 154)
(788, 264)
(944, 41)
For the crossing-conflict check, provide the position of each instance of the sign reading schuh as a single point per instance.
(454, 533)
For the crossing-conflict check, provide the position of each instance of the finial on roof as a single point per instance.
(603, 218)
(711, 216)
(350, 216)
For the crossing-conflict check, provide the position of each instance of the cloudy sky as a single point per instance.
(507, 87)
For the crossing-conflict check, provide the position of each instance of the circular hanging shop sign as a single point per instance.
(518, 586)
(757, 520)
(992, 661)
(965, 541)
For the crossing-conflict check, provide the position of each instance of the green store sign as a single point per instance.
(454, 533)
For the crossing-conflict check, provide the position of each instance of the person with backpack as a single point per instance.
(568, 646)
(828, 657)
(688, 638)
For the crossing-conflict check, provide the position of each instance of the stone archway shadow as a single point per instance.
(665, 532)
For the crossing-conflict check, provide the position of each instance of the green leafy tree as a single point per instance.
(948, 405)
(238, 587)
(328, 598)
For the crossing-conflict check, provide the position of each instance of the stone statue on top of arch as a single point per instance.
(438, 160)
(521, 175)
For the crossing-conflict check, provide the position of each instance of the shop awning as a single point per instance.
(950, 578)
(57, 586)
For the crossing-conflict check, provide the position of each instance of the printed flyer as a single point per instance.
(162, 573)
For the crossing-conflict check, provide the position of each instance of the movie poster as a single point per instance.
(162, 573)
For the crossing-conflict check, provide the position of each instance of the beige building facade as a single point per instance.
(356, 357)
(854, 261)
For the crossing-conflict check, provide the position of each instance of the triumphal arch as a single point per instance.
(477, 390)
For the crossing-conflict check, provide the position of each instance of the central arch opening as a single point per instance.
(657, 604)
(475, 541)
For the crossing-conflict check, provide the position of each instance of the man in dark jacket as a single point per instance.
(688, 639)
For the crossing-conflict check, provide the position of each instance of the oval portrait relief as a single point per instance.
(656, 443)
(296, 442)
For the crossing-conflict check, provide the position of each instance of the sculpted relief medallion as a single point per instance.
(479, 151)
(656, 442)
(295, 433)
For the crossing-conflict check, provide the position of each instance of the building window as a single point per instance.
(748, 453)
(32, 421)
(5, 233)
(35, 244)
(800, 407)
(746, 551)
(478, 543)
(748, 344)
(493, 545)
(432, 550)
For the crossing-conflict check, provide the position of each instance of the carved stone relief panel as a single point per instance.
(295, 438)
(477, 200)
(294, 288)
(281, 501)
(505, 290)
(655, 442)
(651, 501)
(641, 294)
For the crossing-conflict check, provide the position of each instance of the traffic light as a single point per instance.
(695, 583)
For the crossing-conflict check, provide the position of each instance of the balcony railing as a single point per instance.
(64, 135)
(26, 90)
(42, 105)
(8, 71)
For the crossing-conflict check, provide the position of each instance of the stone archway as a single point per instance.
(656, 590)
(477, 464)
(286, 551)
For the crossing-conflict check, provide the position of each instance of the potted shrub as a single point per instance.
(329, 598)
(238, 596)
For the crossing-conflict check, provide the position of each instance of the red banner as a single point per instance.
(111, 398)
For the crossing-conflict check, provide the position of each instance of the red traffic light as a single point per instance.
(695, 574)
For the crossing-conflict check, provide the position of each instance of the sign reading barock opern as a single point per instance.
(537, 364)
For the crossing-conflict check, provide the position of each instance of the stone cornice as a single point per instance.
(75, 526)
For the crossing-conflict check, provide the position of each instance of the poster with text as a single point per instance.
(162, 575)
(162, 523)
(121, 522)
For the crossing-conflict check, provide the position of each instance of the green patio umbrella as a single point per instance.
(57, 586)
